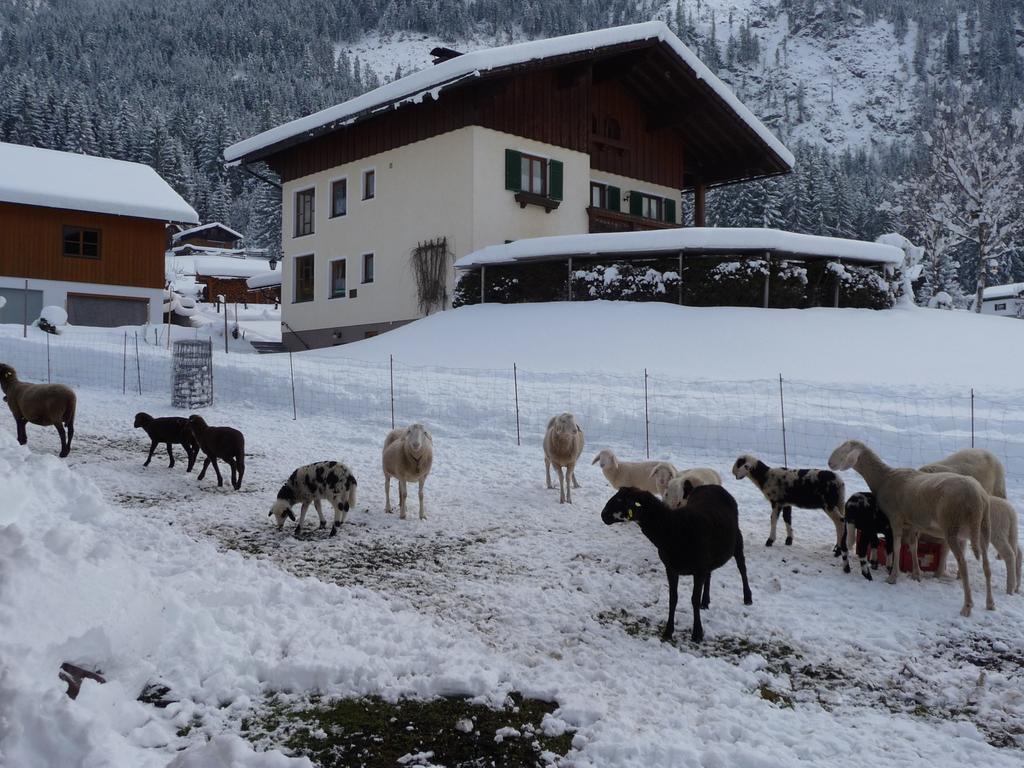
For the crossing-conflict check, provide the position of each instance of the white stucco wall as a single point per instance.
(55, 293)
(452, 186)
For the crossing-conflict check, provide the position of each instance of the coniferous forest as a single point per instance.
(172, 82)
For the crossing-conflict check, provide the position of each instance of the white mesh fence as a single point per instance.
(689, 421)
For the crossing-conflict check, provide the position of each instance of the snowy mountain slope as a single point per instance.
(854, 80)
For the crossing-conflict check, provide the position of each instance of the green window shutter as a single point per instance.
(513, 170)
(613, 198)
(636, 203)
(670, 210)
(555, 179)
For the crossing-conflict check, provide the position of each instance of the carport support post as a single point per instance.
(680, 278)
(835, 295)
(48, 358)
(767, 277)
(483, 284)
(570, 278)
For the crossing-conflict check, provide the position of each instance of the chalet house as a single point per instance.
(212, 235)
(83, 233)
(594, 132)
(213, 257)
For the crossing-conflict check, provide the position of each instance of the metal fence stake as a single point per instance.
(782, 407)
(647, 417)
(515, 382)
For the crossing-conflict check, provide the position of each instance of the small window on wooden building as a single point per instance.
(82, 243)
(369, 184)
(305, 205)
(612, 130)
(304, 278)
(339, 198)
(367, 267)
(1000, 307)
(339, 288)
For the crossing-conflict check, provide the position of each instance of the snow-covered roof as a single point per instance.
(1008, 291)
(52, 179)
(692, 239)
(265, 279)
(415, 87)
(196, 230)
(222, 266)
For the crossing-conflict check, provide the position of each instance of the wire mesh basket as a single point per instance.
(192, 373)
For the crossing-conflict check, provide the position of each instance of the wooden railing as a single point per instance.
(603, 220)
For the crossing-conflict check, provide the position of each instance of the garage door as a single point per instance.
(14, 310)
(106, 311)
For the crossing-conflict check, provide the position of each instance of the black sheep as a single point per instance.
(864, 514)
(220, 443)
(171, 430)
(691, 541)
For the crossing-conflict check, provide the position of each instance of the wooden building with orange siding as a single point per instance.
(83, 233)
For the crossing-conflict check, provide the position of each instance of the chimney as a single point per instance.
(442, 54)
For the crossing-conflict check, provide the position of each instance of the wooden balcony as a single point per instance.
(603, 220)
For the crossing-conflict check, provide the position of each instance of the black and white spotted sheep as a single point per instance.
(864, 514)
(803, 488)
(325, 480)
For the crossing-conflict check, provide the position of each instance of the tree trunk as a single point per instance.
(982, 269)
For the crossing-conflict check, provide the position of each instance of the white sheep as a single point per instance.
(1003, 527)
(631, 474)
(408, 456)
(978, 463)
(948, 506)
(679, 487)
(563, 444)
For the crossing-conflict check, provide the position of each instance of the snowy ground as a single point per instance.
(153, 576)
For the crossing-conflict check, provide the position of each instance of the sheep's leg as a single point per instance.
(741, 564)
(986, 568)
(65, 446)
(912, 542)
(340, 513)
(787, 518)
(841, 545)
(234, 472)
(387, 493)
(568, 482)
(940, 570)
(673, 597)
(561, 484)
(170, 453)
(957, 548)
(697, 635)
(193, 453)
(423, 512)
(320, 514)
(152, 449)
(302, 517)
(862, 547)
(775, 521)
(575, 482)
(897, 544)
(216, 471)
(403, 492)
(547, 472)
(705, 600)
(20, 426)
(206, 465)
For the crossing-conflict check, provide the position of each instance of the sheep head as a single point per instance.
(196, 422)
(282, 509)
(606, 459)
(662, 474)
(744, 466)
(565, 425)
(846, 455)
(624, 506)
(142, 418)
(417, 437)
(8, 376)
(676, 494)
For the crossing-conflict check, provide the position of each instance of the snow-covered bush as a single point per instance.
(941, 300)
(862, 287)
(51, 318)
(626, 281)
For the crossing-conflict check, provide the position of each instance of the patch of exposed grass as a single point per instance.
(372, 733)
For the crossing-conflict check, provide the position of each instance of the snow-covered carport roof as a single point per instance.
(693, 241)
(653, 62)
(264, 280)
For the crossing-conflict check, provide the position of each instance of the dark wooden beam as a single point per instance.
(619, 66)
(699, 204)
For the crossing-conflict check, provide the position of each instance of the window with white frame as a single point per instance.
(369, 184)
(339, 197)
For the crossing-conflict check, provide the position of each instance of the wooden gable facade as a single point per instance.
(636, 109)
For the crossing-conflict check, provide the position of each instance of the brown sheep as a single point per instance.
(220, 443)
(48, 405)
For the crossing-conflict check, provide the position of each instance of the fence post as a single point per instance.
(225, 328)
(972, 417)
(515, 382)
(124, 366)
(138, 365)
(391, 364)
(647, 418)
(48, 358)
(291, 370)
(782, 407)
(24, 314)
